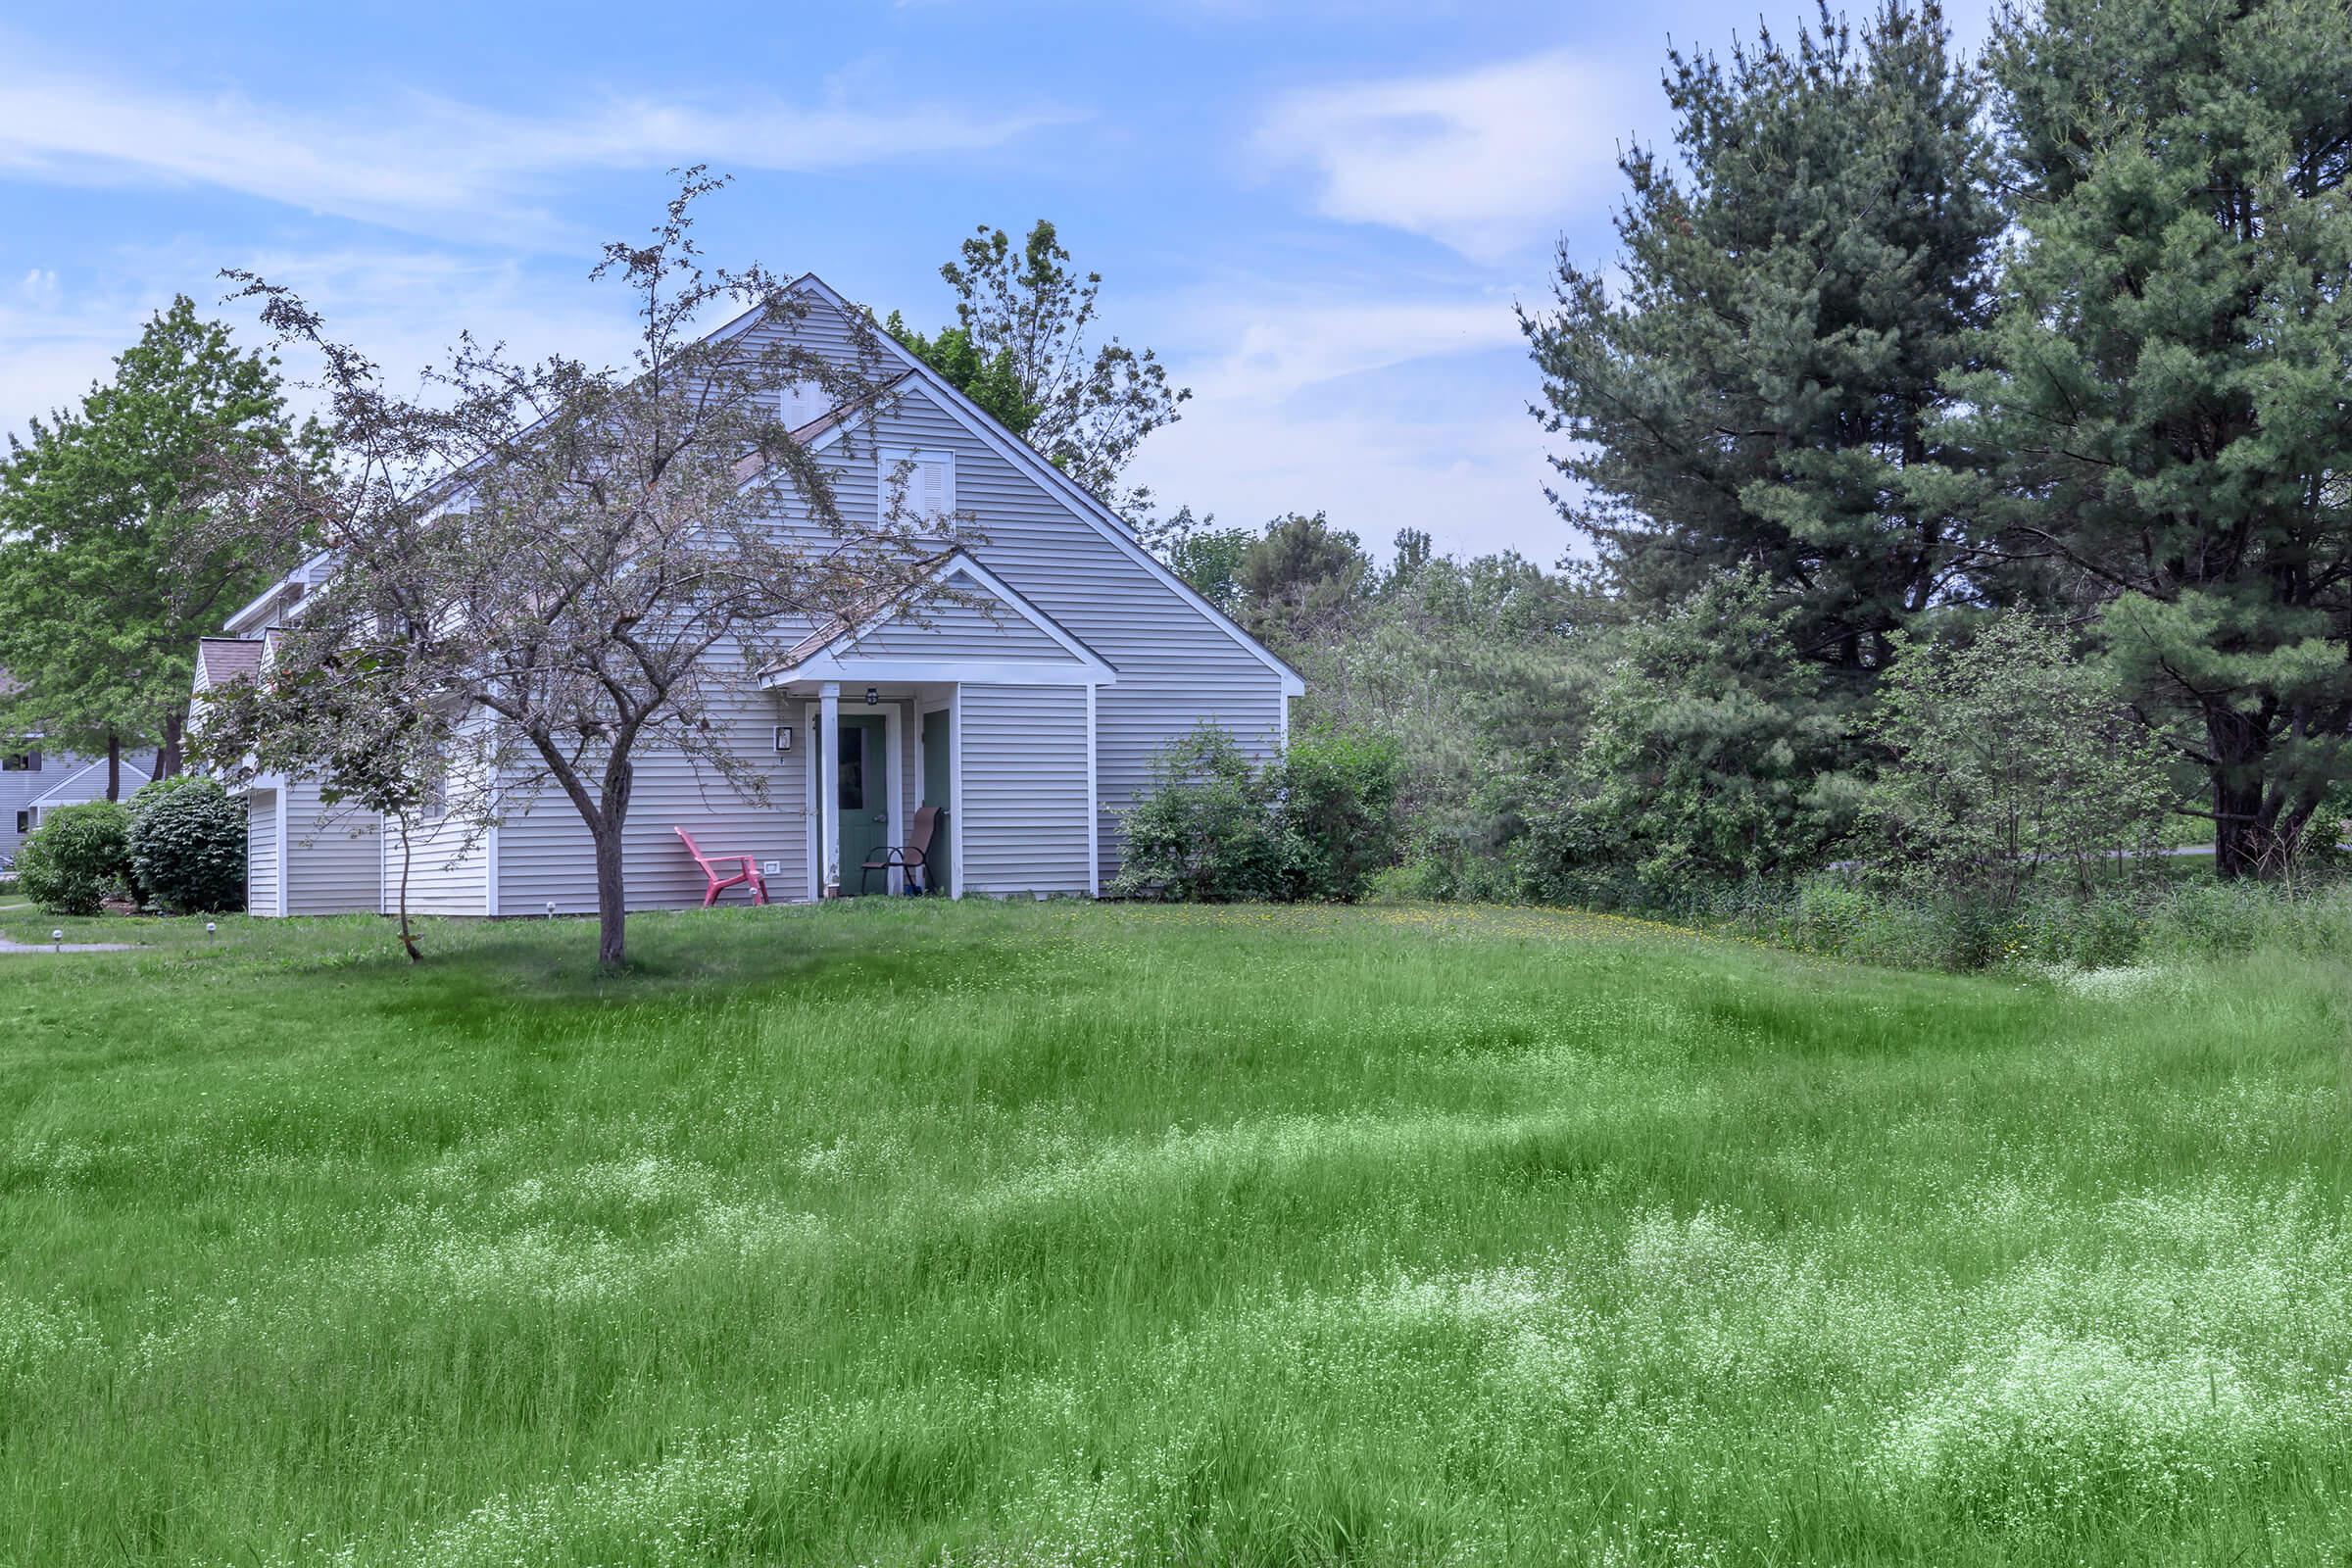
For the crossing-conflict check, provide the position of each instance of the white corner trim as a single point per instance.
(285, 851)
(894, 741)
(490, 869)
(1073, 496)
(1094, 807)
(955, 794)
(811, 809)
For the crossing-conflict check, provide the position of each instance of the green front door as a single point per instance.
(934, 793)
(864, 753)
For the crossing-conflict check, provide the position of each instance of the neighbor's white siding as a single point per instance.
(334, 858)
(260, 852)
(444, 876)
(1024, 789)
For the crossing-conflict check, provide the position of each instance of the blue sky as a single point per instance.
(1321, 214)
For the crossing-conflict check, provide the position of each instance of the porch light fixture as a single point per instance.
(783, 737)
(873, 696)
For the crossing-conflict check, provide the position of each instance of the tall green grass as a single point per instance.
(910, 1232)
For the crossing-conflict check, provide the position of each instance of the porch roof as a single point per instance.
(1006, 639)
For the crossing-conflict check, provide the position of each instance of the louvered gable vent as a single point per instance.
(930, 481)
(803, 400)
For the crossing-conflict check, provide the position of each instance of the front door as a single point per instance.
(864, 753)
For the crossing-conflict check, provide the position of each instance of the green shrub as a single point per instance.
(187, 844)
(1336, 793)
(1313, 825)
(1710, 760)
(2009, 761)
(77, 857)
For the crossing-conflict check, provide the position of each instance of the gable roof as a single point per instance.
(62, 792)
(816, 656)
(220, 660)
(1079, 501)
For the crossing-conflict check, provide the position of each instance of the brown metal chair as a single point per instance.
(914, 858)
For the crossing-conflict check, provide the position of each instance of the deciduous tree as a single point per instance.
(1022, 348)
(573, 567)
(107, 578)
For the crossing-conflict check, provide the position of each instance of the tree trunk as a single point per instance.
(408, 851)
(612, 901)
(166, 756)
(2242, 835)
(113, 766)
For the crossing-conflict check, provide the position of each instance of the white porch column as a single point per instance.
(828, 788)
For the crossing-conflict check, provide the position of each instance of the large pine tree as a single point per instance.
(2170, 369)
(1759, 390)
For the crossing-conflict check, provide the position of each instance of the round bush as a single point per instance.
(187, 844)
(78, 857)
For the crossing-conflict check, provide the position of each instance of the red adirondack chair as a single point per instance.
(719, 884)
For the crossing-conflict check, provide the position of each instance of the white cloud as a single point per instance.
(1472, 477)
(401, 307)
(433, 165)
(1386, 413)
(1485, 161)
(1279, 349)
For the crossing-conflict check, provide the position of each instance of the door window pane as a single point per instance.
(852, 744)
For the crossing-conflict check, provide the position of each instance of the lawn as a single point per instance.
(904, 1233)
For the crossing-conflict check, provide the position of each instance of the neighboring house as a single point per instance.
(1028, 707)
(84, 784)
(25, 776)
(27, 773)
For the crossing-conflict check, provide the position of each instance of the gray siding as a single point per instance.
(1025, 802)
(1177, 668)
(544, 853)
(444, 877)
(334, 858)
(260, 852)
(947, 629)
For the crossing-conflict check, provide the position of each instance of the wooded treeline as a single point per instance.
(1898, 348)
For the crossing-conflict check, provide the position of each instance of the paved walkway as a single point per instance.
(7, 945)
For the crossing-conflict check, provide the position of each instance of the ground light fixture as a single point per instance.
(212, 928)
(55, 939)
(551, 909)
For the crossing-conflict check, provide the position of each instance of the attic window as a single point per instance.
(930, 483)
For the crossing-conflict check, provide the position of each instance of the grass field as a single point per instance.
(1064, 1234)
